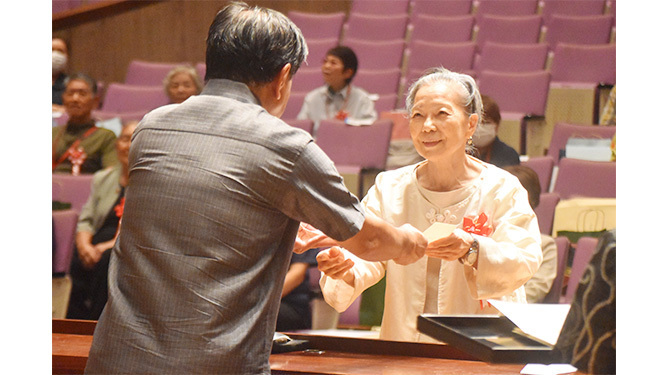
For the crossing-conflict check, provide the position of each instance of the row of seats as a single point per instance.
(380, 46)
(382, 74)
(479, 8)
(484, 7)
(593, 29)
(572, 179)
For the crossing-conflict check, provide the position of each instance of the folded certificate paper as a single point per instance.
(540, 320)
(438, 230)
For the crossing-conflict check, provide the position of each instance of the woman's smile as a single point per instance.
(431, 143)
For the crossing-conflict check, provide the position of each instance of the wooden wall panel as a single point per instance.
(167, 31)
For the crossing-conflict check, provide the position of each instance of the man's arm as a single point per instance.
(378, 240)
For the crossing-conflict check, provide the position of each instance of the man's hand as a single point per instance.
(415, 253)
(89, 255)
(309, 237)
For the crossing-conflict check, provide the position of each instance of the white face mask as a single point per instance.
(484, 134)
(58, 61)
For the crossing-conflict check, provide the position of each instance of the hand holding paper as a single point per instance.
(446, 241)
(438, 230)
(333, 263)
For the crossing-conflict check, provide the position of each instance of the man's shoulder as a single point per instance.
(225, 117)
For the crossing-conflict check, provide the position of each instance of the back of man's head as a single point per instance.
(251, 45)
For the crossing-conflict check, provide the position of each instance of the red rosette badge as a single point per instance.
(477, 225)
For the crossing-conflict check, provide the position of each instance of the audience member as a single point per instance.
(609, 118)
(495, 246)
(295, 313)
(540, 284)
(338, 98)
(588, 337)
(181, 83)
(96, 233)
(59, 56)
(609, 110)
(217, 188)
(79, 146)
(489, 147)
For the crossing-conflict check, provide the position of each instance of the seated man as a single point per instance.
(79, 146)
(338, 98)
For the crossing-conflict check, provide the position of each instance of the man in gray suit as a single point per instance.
(218, 186)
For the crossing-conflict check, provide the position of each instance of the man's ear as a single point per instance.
(281, 80)
(348, 73)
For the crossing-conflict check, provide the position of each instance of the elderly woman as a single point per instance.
(181, 83)
(492, 252)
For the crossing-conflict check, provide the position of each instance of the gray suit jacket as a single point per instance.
(216, 192)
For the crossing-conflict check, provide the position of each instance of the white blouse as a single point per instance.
(509, 249)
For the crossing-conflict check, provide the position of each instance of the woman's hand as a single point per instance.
(452, 247)
(333, 263)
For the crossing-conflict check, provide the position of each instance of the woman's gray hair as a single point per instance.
(471, 98)
(190, 70)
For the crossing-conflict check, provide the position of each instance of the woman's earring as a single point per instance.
(469, 143)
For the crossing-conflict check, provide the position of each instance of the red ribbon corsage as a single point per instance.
(477, 225)
(119, 207)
